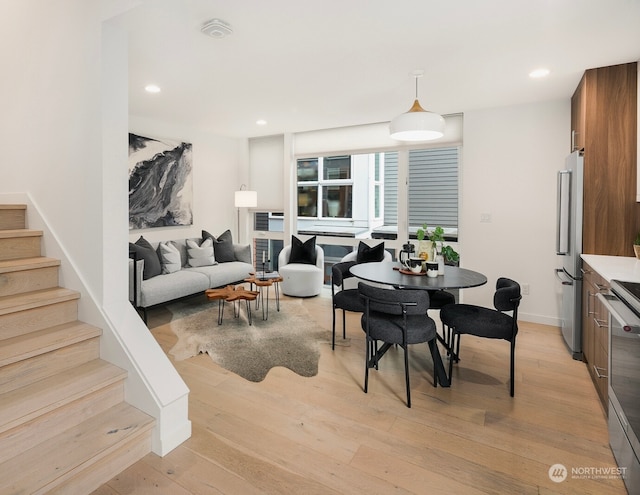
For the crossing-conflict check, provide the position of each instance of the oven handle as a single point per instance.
(628, 320)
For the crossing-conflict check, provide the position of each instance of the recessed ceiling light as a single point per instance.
(152, 88)
(538, 73)
(261, 122)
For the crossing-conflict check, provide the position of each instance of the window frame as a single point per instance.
(320, 183)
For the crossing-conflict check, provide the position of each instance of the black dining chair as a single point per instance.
(397, 317)
(343, 299)
(438, 299)
(485, 322)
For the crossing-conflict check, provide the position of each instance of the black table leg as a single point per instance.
(220, 311)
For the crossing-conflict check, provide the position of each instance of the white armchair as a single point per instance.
(353, 256)
(352, 283)
(301, 279)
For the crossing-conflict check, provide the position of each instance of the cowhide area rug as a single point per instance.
(288, 338)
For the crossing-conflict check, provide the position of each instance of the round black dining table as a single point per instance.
(388, 273)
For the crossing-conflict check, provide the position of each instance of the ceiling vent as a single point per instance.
(216, 28)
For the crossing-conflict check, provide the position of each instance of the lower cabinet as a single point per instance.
(595, 332)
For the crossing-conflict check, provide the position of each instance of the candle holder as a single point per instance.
(263, 278)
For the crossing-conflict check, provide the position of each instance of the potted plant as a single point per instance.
(636, 246)
(437, 236)
(451, 256)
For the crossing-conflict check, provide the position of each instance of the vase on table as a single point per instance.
(425, 250)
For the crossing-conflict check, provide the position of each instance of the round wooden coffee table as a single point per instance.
(232, 293)
(263, 284)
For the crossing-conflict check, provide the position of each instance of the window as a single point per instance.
(325, 187)
(378, 185)
(336, 167)
(307, 201)
(433, 188)
(336, 201)
(357, 195)
(390, 192)
(267, 221)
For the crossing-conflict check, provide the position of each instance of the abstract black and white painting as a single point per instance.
(160, 183)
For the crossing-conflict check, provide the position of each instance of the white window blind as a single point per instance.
(433, 187)
(391, 188)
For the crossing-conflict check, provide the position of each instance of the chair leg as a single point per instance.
(453, 356)
(406, 373)
(513, 363)
(374, 353)
(333, 338)
(433, 348)
(344, 325)
(366, 364)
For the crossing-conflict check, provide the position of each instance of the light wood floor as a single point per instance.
(324, 435)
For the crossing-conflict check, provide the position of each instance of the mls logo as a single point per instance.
(557, 473)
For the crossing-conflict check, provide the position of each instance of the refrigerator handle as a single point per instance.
(563, 221)
(564, 281)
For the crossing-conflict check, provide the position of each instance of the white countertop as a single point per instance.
(614, 267)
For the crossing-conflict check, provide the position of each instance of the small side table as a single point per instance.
(232, 294)
(262, 283)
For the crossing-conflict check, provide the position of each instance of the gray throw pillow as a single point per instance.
(222, 246)
(243, 253)
(201, 255)
(169, 257)
(144, 251)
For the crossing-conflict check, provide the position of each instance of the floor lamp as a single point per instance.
(244, 199)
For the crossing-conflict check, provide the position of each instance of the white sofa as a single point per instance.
(167, 287)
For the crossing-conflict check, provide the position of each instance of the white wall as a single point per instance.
(63, 99)
(510, 159)
(50, 124)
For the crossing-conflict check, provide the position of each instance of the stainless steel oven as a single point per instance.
(623, 305)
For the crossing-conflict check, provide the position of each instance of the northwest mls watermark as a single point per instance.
(559, 473)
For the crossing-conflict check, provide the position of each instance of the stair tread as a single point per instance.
(14, 265)
(35, 343)
(63, 456)
(28, 402)
(8, 234)
(36, 298)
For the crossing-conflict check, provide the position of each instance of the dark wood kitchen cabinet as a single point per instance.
(603, 124)
(578, 112)
(595, 332)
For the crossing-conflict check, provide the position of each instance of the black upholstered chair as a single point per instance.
(438, 299)
(344, 299)
(485, 322)
(397, 317)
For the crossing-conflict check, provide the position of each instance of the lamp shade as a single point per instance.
(417, 125)
(246, 199)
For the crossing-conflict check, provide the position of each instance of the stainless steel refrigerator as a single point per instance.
(569, 249)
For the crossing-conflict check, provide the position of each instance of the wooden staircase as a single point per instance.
(64, 425)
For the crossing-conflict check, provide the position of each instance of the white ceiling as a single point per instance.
(305, 64)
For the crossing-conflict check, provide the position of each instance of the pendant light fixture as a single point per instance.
(417, 124)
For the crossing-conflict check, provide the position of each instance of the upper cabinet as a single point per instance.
(604, 125)
(578, 112)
